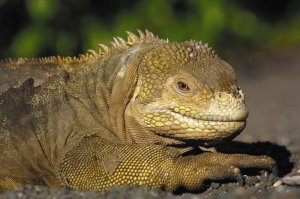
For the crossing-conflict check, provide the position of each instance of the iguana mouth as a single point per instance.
(191, 124)
(239, 117)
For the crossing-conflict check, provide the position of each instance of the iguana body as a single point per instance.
(121, 116)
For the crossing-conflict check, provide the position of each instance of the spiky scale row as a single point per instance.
(132, 38)
(118, 43)
(196, 47)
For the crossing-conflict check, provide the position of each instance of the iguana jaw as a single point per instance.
(185, 124)
(188, 128)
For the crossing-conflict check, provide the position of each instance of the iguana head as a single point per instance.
(185, 92)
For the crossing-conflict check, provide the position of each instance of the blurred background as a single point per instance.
(31, 28)
(260, 38)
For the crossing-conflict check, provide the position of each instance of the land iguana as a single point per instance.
(125, 115)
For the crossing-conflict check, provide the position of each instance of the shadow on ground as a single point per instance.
(279, 153)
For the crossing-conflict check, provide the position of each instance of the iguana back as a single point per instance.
(46, 106)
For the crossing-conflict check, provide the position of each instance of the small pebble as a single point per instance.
(257, 184)
(20, 195)
(291, 180)
(215, 185)
(277, 183)
(240, 191)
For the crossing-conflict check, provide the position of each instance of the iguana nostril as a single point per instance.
(223, 97)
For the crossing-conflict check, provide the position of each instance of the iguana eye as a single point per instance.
(183, 86)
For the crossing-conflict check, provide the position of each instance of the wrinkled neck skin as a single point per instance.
(123, 84)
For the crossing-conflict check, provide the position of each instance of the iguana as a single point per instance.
(124, 115)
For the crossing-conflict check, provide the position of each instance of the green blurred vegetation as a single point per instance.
(34, 28)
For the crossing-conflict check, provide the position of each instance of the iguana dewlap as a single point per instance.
(120, 116)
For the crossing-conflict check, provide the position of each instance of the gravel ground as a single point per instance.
(271, 81)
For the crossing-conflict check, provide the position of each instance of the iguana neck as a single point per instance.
(124, 82)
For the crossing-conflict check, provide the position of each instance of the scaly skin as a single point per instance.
(121, 116)
(163, 167)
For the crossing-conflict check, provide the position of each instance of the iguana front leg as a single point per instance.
(97, 165)
(214, 166)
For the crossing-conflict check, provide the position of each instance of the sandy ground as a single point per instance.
(271, 81)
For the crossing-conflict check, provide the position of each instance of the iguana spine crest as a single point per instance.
(118, 43)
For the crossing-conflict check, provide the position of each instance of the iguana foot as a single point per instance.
(194, 171)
